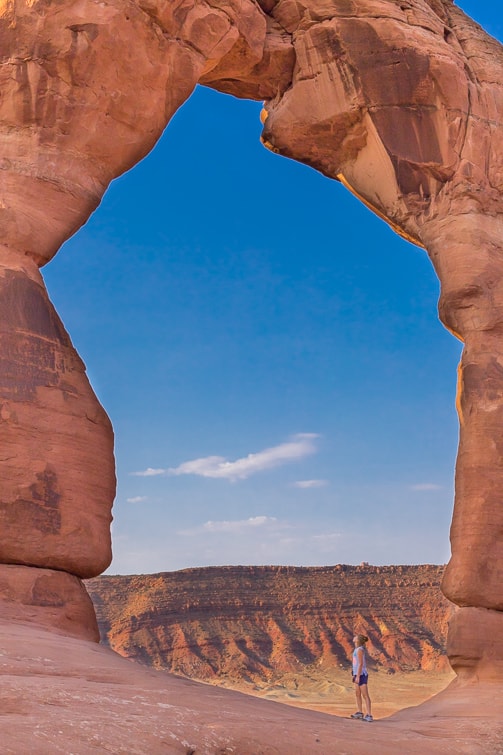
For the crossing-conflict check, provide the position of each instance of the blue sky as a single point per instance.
(269, 353)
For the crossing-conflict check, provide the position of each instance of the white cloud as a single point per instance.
(425, 486)
(149, 472)
(218, 467)
(310, 484)
(327, 537)
(137, 499)
(239, 525)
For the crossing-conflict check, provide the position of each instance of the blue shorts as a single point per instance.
(363, 679)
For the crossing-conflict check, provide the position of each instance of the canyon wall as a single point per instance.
(257, 623)
(400, 100)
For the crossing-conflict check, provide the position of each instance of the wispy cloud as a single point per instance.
(218, 467)
(149, 472)
(327, 537)
(304, 484)
(425, 486)
(236, 526)
(239, 525)
(137, 499)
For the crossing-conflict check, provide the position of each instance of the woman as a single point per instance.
(360, 678)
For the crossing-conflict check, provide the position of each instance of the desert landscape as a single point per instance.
(285, 633)
(402, 103)
(64, 695)
(331, 691)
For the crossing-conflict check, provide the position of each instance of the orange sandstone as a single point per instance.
(401, 101)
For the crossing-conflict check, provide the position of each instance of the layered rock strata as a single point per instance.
(64, 695)
(259, 623)
(401, 101)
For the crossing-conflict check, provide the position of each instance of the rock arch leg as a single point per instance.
(72, 119)
(467, 257)
(77, 110)
(58, 476)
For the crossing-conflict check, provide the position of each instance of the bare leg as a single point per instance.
(364, 691)
(358, 693)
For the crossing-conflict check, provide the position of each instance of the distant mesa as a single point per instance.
(259, 623)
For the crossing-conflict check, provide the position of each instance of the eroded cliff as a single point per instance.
(253, 623)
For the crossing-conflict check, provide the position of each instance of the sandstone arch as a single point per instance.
(400, 101)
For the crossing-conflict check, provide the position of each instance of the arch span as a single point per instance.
(402, 102)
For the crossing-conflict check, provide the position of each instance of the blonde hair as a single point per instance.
(362, 639)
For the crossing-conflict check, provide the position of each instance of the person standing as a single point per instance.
(360, 679)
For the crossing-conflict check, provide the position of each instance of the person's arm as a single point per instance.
(359, 655)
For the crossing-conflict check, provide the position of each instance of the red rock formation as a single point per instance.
(48, 598)
(58, 479)
(401, 101)
(64, 695)
(259, 623)
(70, 121)
(87, 90)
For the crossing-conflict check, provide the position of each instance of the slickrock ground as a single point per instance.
(64, 695)
(248, 625)
(330, 690)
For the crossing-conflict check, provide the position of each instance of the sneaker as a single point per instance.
(368, 718)
(357, 715)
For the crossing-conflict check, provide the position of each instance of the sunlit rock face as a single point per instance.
(86, 90)
(49, 598)
(251, 624)
(401, 101)
(398, 101)
(474, 644)
(81, 102)
(58, 480)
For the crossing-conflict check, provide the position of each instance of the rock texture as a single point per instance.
(87, 89)
(58, 479)
(61, 695)
(402, 101)
(260, 623)
(52, 599)
(474, 643)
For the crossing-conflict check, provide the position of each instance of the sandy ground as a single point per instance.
(332, 691)
(60, 695)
